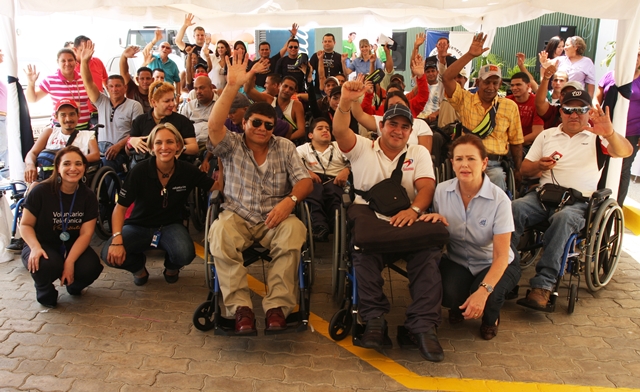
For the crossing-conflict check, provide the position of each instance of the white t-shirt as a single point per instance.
(331, 159)
(57, 140)
(578, 166)
(420, 128)
(370, 165)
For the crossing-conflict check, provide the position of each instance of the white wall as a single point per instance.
(606, 33)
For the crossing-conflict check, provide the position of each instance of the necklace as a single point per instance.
(168, 174)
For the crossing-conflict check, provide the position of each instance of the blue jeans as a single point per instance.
(174, 240)
(496, 174)
(527, 211)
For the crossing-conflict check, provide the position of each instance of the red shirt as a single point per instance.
(528, 115)
(98, 72)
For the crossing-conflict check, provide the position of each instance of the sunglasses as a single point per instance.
(293, 47)
(580, 110)
(166, 47)
(267, 125)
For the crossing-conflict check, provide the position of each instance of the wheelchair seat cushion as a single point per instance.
(373, 235)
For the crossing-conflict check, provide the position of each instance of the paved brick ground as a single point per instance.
(120, 337)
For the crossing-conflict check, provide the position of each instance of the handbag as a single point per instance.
(553, 195)
(388, 197)
(373, 235)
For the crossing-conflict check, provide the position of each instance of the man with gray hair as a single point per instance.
(494, 119)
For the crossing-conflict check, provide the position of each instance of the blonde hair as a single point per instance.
(363, 41)
(152, 136)
(159, 88)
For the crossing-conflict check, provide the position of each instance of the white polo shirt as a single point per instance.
(331, 159)
(578, 166)
(420, 128)
(370, 166)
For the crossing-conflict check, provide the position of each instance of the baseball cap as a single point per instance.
(397, 76)
(575, 84)
(332, 78)
(335, 91)
(430, 64)
(463, 73)
(66, 101)
(489, 70)
(577, 95)
(240, 101)
(196, 76)
(398, 110)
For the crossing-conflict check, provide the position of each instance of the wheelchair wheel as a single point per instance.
(308, 250)
(511, 184)
(530, 238)
(340, 325)
(106, 184)
(605, 245)
(198, 207)
(341, 272)
(573, 297)
(336, 253)
(203, 317)
(448, 170)
(212, 214)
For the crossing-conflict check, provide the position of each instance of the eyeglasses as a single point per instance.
(267, 125)
(293, 47)
(581, 110)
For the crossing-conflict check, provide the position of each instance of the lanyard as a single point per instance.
(324, 170)
(65, 236)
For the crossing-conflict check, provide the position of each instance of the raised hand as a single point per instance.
(261, 66)
(32, 74)
(189, 49)
(188, 20)
(551, 69)
(86, 50)
(417, 66)
(294, 30)
(520, 57)
(207, 39)
(420, 38)
(320, 54)
(601, 121)
(237, 74)
(353, 90)
(344, 56)
(131, 51)
(158, 35)
(477, 45)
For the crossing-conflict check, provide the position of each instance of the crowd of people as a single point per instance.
(289, 127)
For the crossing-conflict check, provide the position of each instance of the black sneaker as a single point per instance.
(16, 245)
(374, 332)
(320, 233)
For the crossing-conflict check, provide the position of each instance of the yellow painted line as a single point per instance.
(413, 380)
(631, 218)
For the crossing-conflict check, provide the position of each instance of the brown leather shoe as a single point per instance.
(245, 320)
(539, 297)
(489, 332)
(275, 320)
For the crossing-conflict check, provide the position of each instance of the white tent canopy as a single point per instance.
(474, 15)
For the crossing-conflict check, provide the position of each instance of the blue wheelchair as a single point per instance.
(208, 315)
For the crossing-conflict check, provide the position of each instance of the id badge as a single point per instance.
(156, 239)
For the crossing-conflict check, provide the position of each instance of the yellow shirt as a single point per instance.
(508, 129)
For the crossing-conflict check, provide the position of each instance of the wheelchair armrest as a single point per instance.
(599, 196)
(346, 200)
(215, 197)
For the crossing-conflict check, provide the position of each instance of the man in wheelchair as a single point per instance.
(372, 163)
(570, 156)
(264, 180)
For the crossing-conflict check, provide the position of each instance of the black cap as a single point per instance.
(335, 91)
(430, 64)
(398, 110)
(577, 95)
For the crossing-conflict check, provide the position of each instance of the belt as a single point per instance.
(3, 114)
(494, 157)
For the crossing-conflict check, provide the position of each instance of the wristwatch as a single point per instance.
(294, 198)
(487, 286)
(417, 210)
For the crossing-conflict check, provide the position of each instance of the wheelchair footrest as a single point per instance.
(296, 322)
(357, 338)
(227, 327)
(550, 308)
(404, 338)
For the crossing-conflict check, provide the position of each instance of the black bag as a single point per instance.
(552, 195)
(373, 235)
(388, 197)
(45, 160)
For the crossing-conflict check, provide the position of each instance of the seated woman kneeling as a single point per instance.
(477, 269)
(159, 187)
(58, 220)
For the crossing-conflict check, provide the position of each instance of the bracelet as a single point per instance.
(607, 137)
(116, 244)
(344, 111)
(116, 234)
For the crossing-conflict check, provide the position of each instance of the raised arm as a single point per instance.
(449, 77)
(157, 36)
(250, 85)
(85, 51)
(206, 53)
(33, 94)
(128, 53)
(542, 105)
(532, 82)
(388, 63)
(619, 146)
(188, 21)
(237, 76)
(366, 120)
(351, 92)
(189, 66)
(420, 38)
(294, 32)
(347, 71)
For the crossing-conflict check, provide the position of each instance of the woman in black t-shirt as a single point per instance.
(57, 223)
(159, 187)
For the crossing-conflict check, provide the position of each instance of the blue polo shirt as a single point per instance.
(363, 67)
(471, 231)
(171, 71)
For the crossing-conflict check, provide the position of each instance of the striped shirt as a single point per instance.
(508, 129)
(58, 87)
(248, 192)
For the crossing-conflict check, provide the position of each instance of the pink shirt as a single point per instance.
(582, 71)
(3, 97)
(58, 87)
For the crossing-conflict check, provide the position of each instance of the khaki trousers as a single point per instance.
(230, 235)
